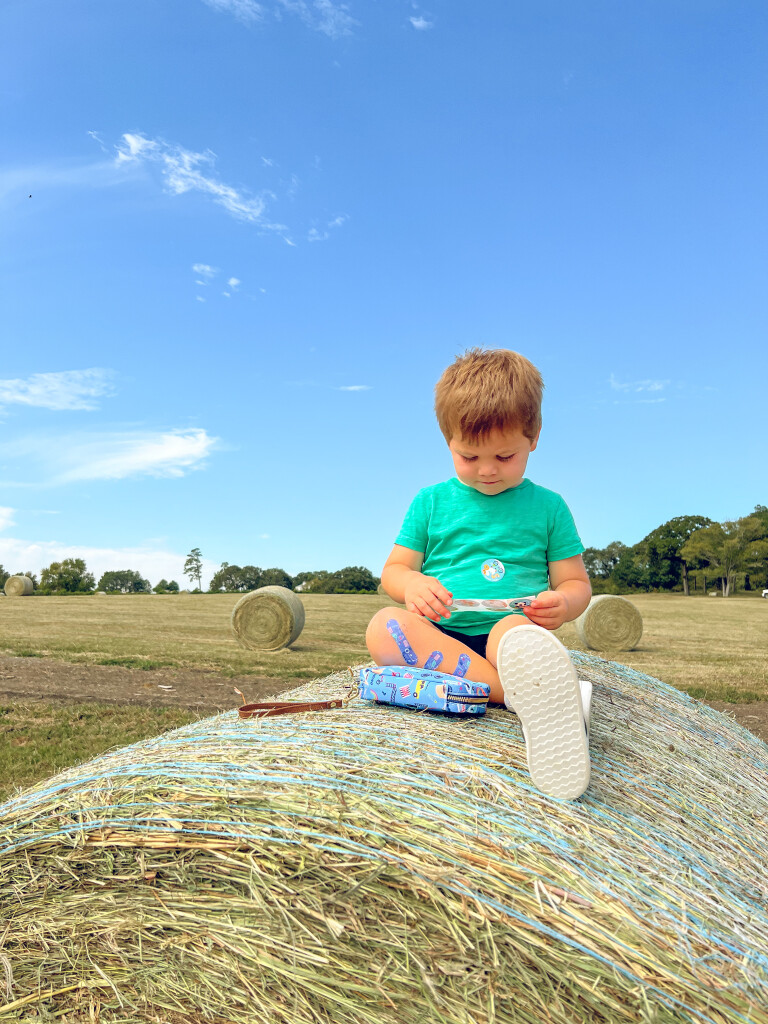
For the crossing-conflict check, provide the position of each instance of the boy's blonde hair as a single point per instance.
(489, 389)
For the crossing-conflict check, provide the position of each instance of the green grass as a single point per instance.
(37, 740)
(714, 649)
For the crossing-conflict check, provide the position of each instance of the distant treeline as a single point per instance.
(71, 576)
(688, 553)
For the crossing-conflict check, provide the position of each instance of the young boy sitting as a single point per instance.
(487, 534)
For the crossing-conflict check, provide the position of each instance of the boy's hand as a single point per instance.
(428, 597)
(550, 609)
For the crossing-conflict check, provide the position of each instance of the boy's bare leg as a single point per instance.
(398, 637)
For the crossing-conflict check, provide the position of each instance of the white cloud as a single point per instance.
(355, 387)
(181, 173)
(200, 298)
(153, 563)
(233, 283)
(316, 235)
(68, 389)
(6, 517)
(247, 11)
(112, 456)
(204, 270)
(332, 19)
(638, 386)
(420, 23)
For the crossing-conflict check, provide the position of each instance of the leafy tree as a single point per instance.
(664, 565)
(173, 587)
(124, 581)
(226, 578)
(161, 587)
(70, 576)
(354, 579)
(193, 567)
(3, 576)
(312, 579)
(600, 562)
(276, 578)
(728, 548)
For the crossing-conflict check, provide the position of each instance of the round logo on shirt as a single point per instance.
(493, 569)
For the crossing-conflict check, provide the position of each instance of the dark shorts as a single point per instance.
(474, 643)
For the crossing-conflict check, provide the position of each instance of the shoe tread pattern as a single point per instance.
(541, 685)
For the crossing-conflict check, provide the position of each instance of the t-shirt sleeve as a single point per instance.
(564, 540)
(414, 531)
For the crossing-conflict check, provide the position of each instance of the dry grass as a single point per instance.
(712, 648)
(186, 631)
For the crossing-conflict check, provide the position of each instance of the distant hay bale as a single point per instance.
(18, 586)
(268, 618)
(381, 866)
(610, 623)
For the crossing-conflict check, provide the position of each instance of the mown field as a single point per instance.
(713, 648)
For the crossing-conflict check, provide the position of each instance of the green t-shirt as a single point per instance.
(488, 545)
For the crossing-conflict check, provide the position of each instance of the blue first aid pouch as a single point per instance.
(423, 689)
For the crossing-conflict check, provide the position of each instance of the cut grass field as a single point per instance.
(714, 649)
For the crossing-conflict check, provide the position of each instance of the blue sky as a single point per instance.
(258, 232)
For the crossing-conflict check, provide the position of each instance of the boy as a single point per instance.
(490, 533)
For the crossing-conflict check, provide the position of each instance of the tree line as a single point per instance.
(71, 576)
(684, 554)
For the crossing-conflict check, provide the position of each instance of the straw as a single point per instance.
(268, 618)
(610, 623)
(374, 865)
(18, 586)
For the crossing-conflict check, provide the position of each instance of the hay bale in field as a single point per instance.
(380, 866)
(18, 586)
(610, 623)
(268, 618)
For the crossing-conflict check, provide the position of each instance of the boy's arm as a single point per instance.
(568, 596)
(403, 581)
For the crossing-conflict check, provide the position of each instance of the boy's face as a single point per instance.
(494, 463)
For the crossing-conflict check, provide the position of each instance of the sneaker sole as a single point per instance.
(540, 684)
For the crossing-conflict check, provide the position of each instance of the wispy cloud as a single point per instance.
(161, 455)
(110, 456)
(6, 517)
(420, 23)
(247, 11)
(183, 171)
(333, 19)
(355, 387)
(326, 16)
(644, 388)
(204, 270)
(637, 386)
(68, 389)
(320, 235)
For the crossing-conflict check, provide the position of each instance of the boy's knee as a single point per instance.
(379, 635)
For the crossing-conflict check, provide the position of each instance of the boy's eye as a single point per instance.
(469, 458)
(505, 458)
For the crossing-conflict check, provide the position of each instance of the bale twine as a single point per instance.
(268, 618)
(610, 623)
(18, 586)
(374, 865)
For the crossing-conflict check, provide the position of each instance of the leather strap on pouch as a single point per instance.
(266, 708)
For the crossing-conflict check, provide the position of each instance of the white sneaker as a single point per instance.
(540, 684)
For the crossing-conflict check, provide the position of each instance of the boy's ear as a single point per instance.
(535, 441)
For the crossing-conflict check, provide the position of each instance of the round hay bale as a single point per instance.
(268, 618)
(390, 867)
(18, 586)
(610, 623)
